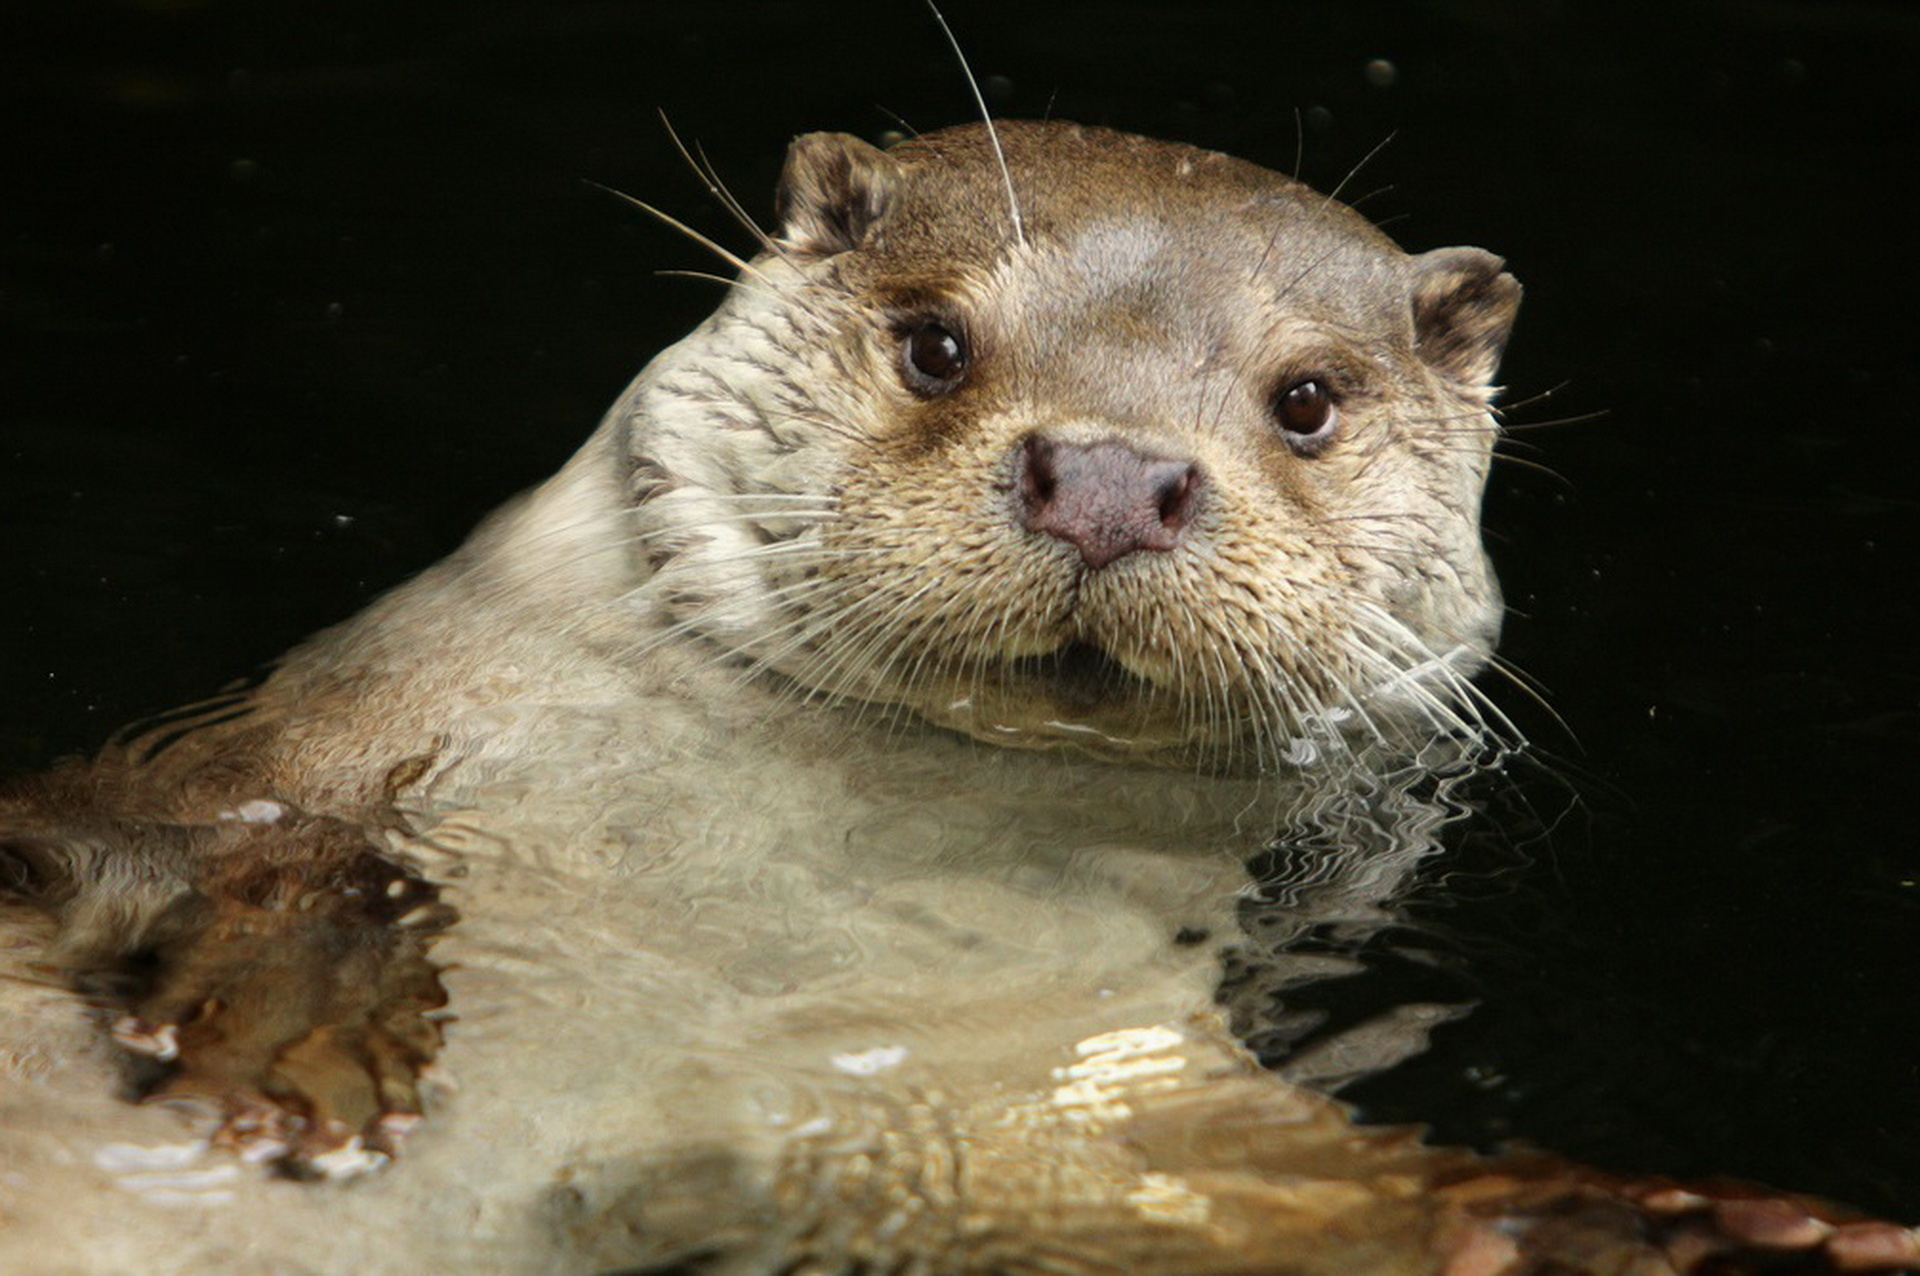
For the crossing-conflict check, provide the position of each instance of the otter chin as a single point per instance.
(1075, 696)
(659, 818)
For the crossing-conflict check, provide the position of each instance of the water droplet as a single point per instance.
(1381, 73)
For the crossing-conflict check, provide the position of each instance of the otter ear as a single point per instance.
(832, 192)
(1463, 309)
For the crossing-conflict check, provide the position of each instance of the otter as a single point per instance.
(820, 809)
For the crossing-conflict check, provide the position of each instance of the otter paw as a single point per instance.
(299, 1009)
(336, 1102)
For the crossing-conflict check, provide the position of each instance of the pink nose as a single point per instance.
(1105, 499)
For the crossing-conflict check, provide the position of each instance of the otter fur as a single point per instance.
(802, 835)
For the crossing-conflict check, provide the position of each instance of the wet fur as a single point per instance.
(670, 710)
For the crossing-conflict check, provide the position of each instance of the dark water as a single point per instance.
(293, 291)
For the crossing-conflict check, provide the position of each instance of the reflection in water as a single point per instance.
(1332, 980)
(815, 993)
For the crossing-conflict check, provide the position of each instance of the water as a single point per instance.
(293, 294)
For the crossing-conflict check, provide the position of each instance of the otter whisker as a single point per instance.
(1332, 197)
(703, 169)
(1510, 461)
(1541, 396)
(827, 609)
(1509, 426)
(869, 631)
(700, 620)
(727, 255)
(839, 428)
(986, 120)
(917, 626)
(706, 276)
(754, 664)
(857, 658)
(1474, 422)
(697, 531)
(1531, 688)
(737, 517)
(1458, 703)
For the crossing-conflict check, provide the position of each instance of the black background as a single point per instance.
(292, 290)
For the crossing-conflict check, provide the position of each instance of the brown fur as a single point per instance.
(759, 974)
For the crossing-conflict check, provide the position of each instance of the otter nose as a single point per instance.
(1105, 499)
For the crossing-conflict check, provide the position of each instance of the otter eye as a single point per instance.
(935, 359)
(1305, 411)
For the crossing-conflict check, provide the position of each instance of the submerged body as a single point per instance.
(842, 773)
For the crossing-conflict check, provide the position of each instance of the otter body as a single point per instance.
(841, 774)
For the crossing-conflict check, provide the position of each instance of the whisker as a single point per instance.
(1333, 195)
(1511, 461)
(725, 254)
(986, 118)
(703, 275)
(703, 169)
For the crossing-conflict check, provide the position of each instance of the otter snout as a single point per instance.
(1105, 499)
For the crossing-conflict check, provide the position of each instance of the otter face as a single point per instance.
(1188, 463)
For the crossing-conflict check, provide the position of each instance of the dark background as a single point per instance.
(292, 290)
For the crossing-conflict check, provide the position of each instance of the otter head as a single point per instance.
(1187, 461)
